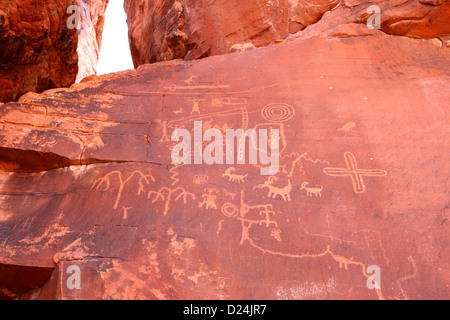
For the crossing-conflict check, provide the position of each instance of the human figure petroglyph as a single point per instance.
(209, 199)
(196, 106)
(165, 136)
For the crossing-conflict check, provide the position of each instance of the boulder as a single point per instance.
(93, 205)
(41, 48)
(187, 29)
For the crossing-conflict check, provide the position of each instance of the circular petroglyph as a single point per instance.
(230, 210)
(200, 179)
(278, 112)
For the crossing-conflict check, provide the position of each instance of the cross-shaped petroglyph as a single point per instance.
(355, 174)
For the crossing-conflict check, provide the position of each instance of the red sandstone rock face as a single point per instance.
(88, 179)
(37, 49)
(165, 30)
(90, 36)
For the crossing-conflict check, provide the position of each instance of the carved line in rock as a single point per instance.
(107, 181)
(354, 173)
(234, 212)
(160, 195)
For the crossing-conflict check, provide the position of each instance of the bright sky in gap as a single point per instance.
(115, 51)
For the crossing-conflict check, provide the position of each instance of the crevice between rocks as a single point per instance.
(28, 161)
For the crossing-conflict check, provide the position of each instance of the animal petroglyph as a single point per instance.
(349, 126)
(316, 191)
(190, 80)
(275, 191)
(355, 174)
(234, 177)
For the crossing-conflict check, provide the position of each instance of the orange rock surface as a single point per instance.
(37, 49)
(191, 29)
(93, 207)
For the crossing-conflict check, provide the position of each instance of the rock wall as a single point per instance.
(37, 49)
(190, 29)
(88, 182)
(93, 205)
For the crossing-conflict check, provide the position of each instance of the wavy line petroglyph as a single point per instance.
(175, 174)
(407, 277)
(239, 213)
(298, 162)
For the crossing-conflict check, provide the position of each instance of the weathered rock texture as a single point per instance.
(189, 29)
(88, 180)
(90, 36)
(37, 49)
